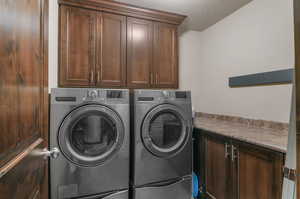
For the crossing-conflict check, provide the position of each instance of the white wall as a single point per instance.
(256, 38)
(53, 43)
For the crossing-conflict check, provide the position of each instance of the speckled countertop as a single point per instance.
(271, 135)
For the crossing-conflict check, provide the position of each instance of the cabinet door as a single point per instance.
(217, 168)
(259, 173)
(165, 56)
(139, 53)
(77, 46)
(111, 50)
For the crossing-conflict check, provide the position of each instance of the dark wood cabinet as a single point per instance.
(139, 53)
(259, 173)
(116, 45)
(93, 48)
(217, 169)
(165, 55)
(111, 50)
(239, 170)
(77, 47)
(151, 54)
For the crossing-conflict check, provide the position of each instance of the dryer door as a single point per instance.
(91, 135)
(165, 130)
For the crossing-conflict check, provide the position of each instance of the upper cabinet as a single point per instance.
(110, 44)
(77, 46)
(165, 55)
(111, 50)
(139, 53)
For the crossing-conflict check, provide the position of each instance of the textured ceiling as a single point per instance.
(201, 13)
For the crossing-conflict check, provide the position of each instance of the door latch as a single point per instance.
(290, 174)
(53, 153)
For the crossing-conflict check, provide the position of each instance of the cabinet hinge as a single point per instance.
(290, 174)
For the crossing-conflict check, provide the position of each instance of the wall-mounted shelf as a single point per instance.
(267, 78)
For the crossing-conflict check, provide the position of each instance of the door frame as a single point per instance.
(45, 94)
(297, 80)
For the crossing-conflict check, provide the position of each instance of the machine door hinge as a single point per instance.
(290, 174)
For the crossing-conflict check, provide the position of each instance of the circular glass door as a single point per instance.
(90, 135)
(165, 131)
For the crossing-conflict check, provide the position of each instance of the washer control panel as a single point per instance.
(79, 95)
(94, 94)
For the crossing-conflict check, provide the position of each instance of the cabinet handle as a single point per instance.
(226, 150)
(233, 153)
(98, 76)
(151, 78)
(92, 77)
(156, 78)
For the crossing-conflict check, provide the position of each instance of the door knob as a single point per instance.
(53, 153)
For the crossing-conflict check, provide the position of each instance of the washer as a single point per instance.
(90, 132)
(162, 144)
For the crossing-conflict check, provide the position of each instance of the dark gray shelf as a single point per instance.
(267, 78)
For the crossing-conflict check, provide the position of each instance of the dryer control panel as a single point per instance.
(79, 95)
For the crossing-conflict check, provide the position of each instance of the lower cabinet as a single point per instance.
(259, 172)
(238, 170)
(217, 169)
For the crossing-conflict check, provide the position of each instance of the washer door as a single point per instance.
(91, 134)
(165, 131)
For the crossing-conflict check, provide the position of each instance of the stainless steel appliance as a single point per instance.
(162, 145)
(90, 130)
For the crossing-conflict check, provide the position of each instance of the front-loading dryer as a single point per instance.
(162, 144)
(90, 130)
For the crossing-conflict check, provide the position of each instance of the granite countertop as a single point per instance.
(267, 134)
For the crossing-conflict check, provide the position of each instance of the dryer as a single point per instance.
(162, 144)
(90, 130)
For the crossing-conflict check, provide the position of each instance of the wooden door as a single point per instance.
(165, 56)
(111, 50)
(24, 99)
(139, 53)
(77, 47)
(217, 168)
(259, 173)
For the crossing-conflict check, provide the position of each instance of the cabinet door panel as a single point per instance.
(139, 53)
(77, 55)
(259, 174)
(111, 70)
(165, 58)
(217, 169)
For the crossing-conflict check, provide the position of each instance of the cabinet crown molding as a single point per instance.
(126, 9)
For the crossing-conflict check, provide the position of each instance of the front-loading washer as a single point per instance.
(162, 147)
(90, 130)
